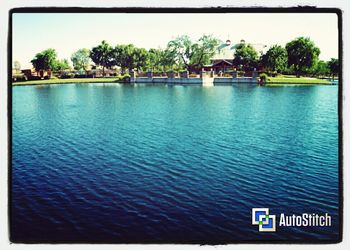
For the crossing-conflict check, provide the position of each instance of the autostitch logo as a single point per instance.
(266, 221)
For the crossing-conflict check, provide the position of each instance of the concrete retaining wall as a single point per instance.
(205, 81)
(229, 80)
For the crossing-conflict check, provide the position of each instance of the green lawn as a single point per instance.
(295, 80)
(66, 81)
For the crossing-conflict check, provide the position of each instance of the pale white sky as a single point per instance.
(67, 33)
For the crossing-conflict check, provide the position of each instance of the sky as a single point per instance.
(34, 32)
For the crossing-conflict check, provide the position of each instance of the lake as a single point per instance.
(138, 163)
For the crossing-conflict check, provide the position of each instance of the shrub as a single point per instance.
(67, 75)
(263, 77)
(80, 76)
(124, 78)
(19, 78)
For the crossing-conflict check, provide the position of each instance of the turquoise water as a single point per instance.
(114, 163)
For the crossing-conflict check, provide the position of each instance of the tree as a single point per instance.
(204, 49)
(333, 65)
(321, 68)
(81, 59)
(17, 66)
(61, 65)
(153, 59)
(246, 55)
(102, 55)
(45, 60)
(275, 59)
(167, 60)
(160, 59)
(139, 58)
(302, 54)
(194, 54)
(130, 57)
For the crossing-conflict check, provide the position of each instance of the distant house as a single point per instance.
(220, 65)
(222, 61)
(28, 72)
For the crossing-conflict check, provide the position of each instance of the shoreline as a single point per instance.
(307, 82)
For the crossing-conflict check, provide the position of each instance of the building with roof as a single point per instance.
(223, 60)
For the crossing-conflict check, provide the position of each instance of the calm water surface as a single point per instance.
(106, 162)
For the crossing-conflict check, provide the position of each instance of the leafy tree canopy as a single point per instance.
(302, 54)
(333, 65)
(161, 59)
(102, 55)
(275, 59)
(61, 65)
(246, 55)
(321, 68)
(194, 54)
(45, 60)
(130, 57)
(81, 59)
(16, 65)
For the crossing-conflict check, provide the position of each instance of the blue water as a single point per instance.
(114, 163)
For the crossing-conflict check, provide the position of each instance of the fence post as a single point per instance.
(185, 74)
(234, 74)
(202, 73)
(255, 74)
(132, 76)
(149, 74)
(211, 73)
(170, 74)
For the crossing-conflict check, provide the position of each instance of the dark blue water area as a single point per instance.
(138, 163)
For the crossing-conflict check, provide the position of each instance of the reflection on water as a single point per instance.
(107, 162)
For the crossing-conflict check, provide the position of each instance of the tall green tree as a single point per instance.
(194, 54)
(81, 59)
(275, 59)
(302, 54)
(16, 65)
(61, 65)
(321, 69)
(130, 57)
(102, 55)
(161, 60)
(153, 59)
(168, 60)
(333, 65)
(246, 56)
(45, 60)
(139, 57)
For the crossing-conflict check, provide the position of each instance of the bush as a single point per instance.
(124, 78)
(34, 78)
(67, 75)
(19, 78)
(80, 76)
(263, 77)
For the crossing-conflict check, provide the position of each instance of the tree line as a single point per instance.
(299, 56)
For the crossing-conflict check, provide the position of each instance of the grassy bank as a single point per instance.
(295, 80)
(283, 80)
(67, 81)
